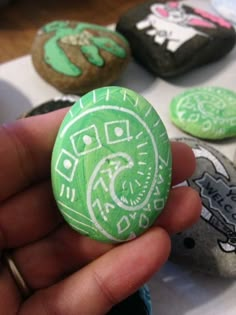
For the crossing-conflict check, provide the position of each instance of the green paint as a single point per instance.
(92, 54)
(111, 165)
(56, 57)
(208, 112)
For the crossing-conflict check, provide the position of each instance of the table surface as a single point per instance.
(20, 19)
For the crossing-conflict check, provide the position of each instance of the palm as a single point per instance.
(67, 270)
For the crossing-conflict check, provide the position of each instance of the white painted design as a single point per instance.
(141, 145)
(117, 131)
(85, 141)
(124, 98)
(108, 95)
(100, 182)
(123, 224)
(148, 111)
(172, 25)
(143, 221)
(66, 165)
(94, 96)
(159, 204)
(111, 167)
(74, 211)
(137, 182)
(139, 135)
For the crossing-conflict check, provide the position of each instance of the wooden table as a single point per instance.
(20, 20)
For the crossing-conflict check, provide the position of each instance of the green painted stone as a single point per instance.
(111, 165)
(207, 112)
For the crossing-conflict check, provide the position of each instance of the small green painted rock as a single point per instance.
(207, 112)
(111, 165)
(77, 57)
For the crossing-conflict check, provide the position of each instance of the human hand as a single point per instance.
(67, 272)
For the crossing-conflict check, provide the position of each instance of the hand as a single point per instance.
(70, 273)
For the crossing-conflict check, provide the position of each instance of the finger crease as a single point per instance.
(104, 289)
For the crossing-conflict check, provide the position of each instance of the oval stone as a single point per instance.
(207, 112)
(111, 165)
(210, 245)
(77, 57)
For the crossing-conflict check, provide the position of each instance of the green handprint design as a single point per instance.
(81, 35)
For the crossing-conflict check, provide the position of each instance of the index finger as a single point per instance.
(25, 150)
(26, 147)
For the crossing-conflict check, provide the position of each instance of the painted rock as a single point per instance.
(138, 303)
(226, 8)
(111, 165)
(171, 38)
(207, 113)
(51, 105)
(210, 245)
(77, 57)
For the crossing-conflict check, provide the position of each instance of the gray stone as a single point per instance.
(210, 245)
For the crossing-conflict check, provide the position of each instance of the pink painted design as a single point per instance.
(162, 11)
(213, 18)
(201, 23)
(173, 5)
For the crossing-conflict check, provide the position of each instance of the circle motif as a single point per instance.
(208, 113)
(120, 165)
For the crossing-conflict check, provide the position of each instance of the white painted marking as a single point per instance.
(141, 145)
(137, 182)
(71, 113)
(136, 102)
(73, 195)
(131, 188)
(108, 94)
(124, 184)
(163, 134)
(81, 103)
(142, 153)
(124, 98)
(74, 211)
(78, 222)
(140, 173)
(62, 190)
(148, 112)
(94, 96)
(67, 192)
(101, 182)
(142, 163)
(157, 123)
(138, 135)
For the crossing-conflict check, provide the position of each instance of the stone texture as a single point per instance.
(173, 38)
(210, 245)
(111, 165)
(77, 57)
(207, 112)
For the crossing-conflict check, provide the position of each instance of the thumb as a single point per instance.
(106, 281)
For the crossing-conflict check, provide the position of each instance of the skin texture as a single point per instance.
(66, 270)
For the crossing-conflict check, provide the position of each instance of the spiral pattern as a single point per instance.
(111, 165)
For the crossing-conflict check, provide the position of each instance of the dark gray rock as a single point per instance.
(171, 38)
(210, 245)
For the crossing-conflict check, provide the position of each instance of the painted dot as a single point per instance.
(67, 164)
(119, 131)
(87, 139)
